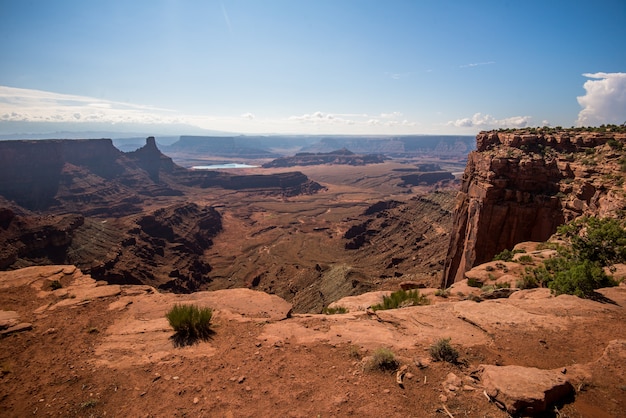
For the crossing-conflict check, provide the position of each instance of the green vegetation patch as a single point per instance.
(190, 322)
(472, 282)
(336, 310)
(579, 270)
(443, 351)
(402, 299)
(383, 359)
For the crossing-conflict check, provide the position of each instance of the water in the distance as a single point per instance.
(222, 166)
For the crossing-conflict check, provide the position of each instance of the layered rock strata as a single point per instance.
(521, 185)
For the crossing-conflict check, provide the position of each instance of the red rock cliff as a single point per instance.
(521, 185)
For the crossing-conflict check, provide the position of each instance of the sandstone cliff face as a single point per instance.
(520, 186)
(94, 178)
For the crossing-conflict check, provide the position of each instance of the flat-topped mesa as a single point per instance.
(521, 185)
(562, 141)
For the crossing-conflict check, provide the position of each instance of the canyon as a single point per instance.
(97, 244)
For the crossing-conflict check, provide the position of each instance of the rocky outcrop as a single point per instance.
(285, 184)
(524, 390)
(521, 185)
(427, 178)
(31, 172)
(165, 249)
(35, 239)
(94, 178)
(339, 157)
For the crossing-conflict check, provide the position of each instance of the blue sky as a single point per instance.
(295, 66)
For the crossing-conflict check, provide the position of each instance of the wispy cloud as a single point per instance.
(26, 105)
(226, 18)
(489, 122)
(476, 64)
(604, 100)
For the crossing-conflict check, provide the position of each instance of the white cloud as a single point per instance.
(35, 106)
(392, 115)
(489, 122)
(26, 105)
(476, 64)
(604, 100)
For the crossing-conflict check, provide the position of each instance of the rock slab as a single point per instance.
(524, 390)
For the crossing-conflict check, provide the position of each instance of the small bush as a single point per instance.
(489, 268)
(580, 279)
(444, 293)
(55, 284)
(333, 311)
(354, 351)
(88, 404)
(401, 299)
(443, 351)
(615, 144)
(527, 282)
(190, 323)
(525, 259)
(503, 285)
(504, 255)
(383, 359)
(471, 282)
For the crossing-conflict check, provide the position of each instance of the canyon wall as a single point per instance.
(94, 178)
(521, 185)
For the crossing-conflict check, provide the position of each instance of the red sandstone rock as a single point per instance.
(521, 187)
(524, 390)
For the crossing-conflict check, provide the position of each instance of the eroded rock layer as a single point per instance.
(521, 185)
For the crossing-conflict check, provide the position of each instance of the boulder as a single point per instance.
(524, 390)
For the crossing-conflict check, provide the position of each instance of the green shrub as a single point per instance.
(595, 243)
(333, 311)
(443, 351)
(616, 145)
(527, 282)
(55, 284)
(401, 299)
(504, 255)
(503, 285)
(525, 259)
(471, 282)
(580, 279)
(383, 359)
(190, 323)
(598, 240)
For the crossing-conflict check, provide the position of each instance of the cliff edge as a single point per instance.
(520, 185)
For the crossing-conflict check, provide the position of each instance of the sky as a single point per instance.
(311, 67)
